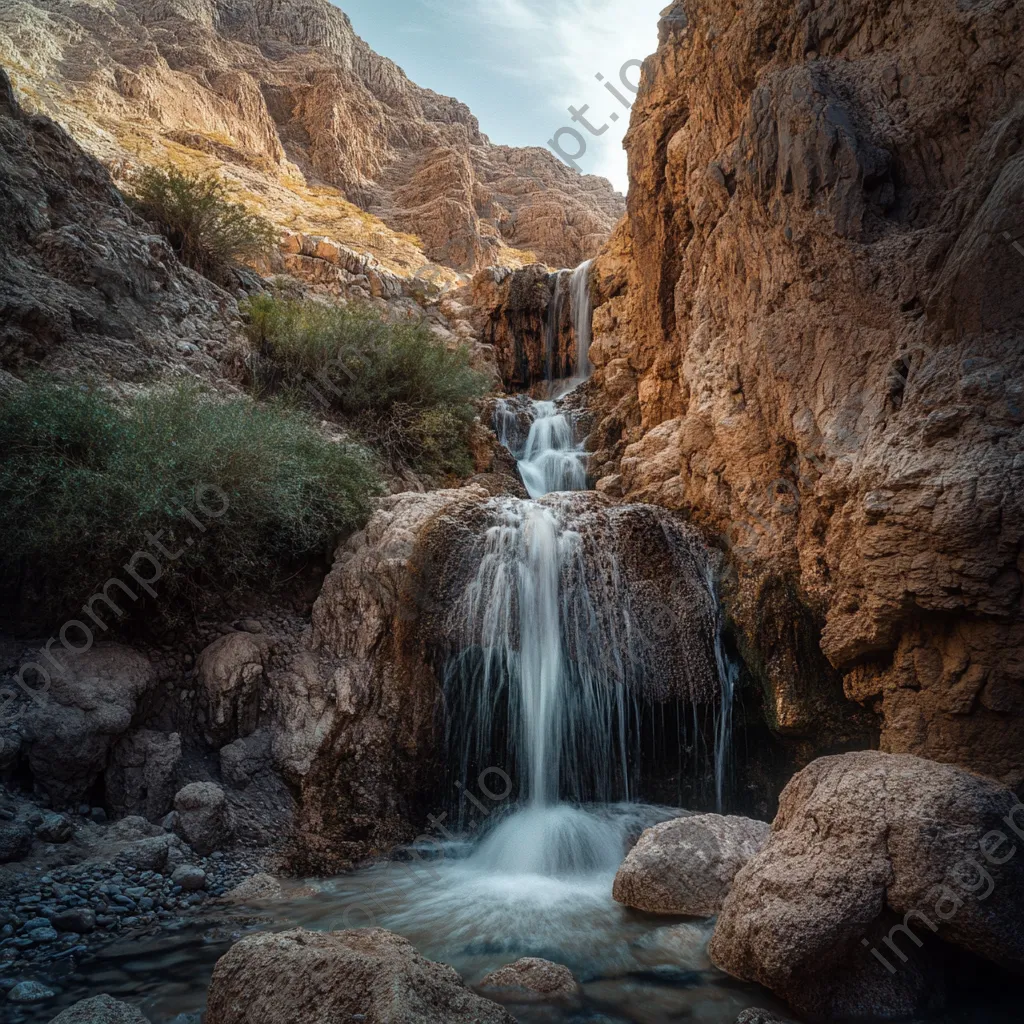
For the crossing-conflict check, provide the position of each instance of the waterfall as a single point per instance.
(553, 319)
(561, 634)
(574, 637)
(582, 316)
(549, 456)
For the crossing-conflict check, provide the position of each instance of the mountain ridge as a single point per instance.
(282, 97)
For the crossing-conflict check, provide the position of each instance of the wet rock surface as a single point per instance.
(372, 973)
(532, 976)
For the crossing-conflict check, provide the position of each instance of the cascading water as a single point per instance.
(571, 618)
(550, 457)
(573, 615)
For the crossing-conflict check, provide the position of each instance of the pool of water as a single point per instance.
(538, 883)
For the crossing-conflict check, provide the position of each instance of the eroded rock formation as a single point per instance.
(810, 341)
(85, 284)
(874, 864)
(288, 98)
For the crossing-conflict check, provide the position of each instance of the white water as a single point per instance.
(551, 458)
(582, 316)
(548, 679)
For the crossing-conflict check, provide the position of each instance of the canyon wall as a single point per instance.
(809, 339)
(285, 100)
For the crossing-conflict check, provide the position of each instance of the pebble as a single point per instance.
(51, 917)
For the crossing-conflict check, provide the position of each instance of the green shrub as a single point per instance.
(83, 481)
(399, 385)
(195, 212)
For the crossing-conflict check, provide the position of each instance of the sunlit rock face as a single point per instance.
(285, 97)
(808, 337)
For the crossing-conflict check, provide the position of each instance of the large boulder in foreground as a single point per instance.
(873, 863)
(687, 865)
(100, 1010)
(299, 977)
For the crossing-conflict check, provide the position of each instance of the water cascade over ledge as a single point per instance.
(567, 629)
(562, 634)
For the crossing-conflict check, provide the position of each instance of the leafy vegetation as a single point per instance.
(195, 212)
(398, 385)
(242, 492)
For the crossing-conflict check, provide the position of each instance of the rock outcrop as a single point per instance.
(84, 284)
(231, 671)
(303, 976)
(809, 339)
(140, 775)
(70, 727)
(876, 863)
(687, 865)
(298, 110)
(383, 696)
(392, 613)
(204, 819)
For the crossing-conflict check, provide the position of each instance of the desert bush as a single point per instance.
(195, 212)
(85, 483)
(398, 384)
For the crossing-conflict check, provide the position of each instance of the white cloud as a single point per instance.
(559, 46)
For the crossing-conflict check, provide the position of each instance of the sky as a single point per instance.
(519, 64)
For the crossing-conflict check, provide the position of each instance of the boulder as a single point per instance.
(30, 992)
(55, 828)
(256, 889)
(153, 853)
(203, 816)
(686, 866)
(189, 877)
(15, 840)
(80, 920)
(141, 775)
(532, 976)
(70, 728)
(231, 674)
(299, 976)
(874, 861)
(100, 1010)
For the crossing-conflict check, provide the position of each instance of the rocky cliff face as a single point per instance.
(810, 341)
(302, 115)
(83, 281)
